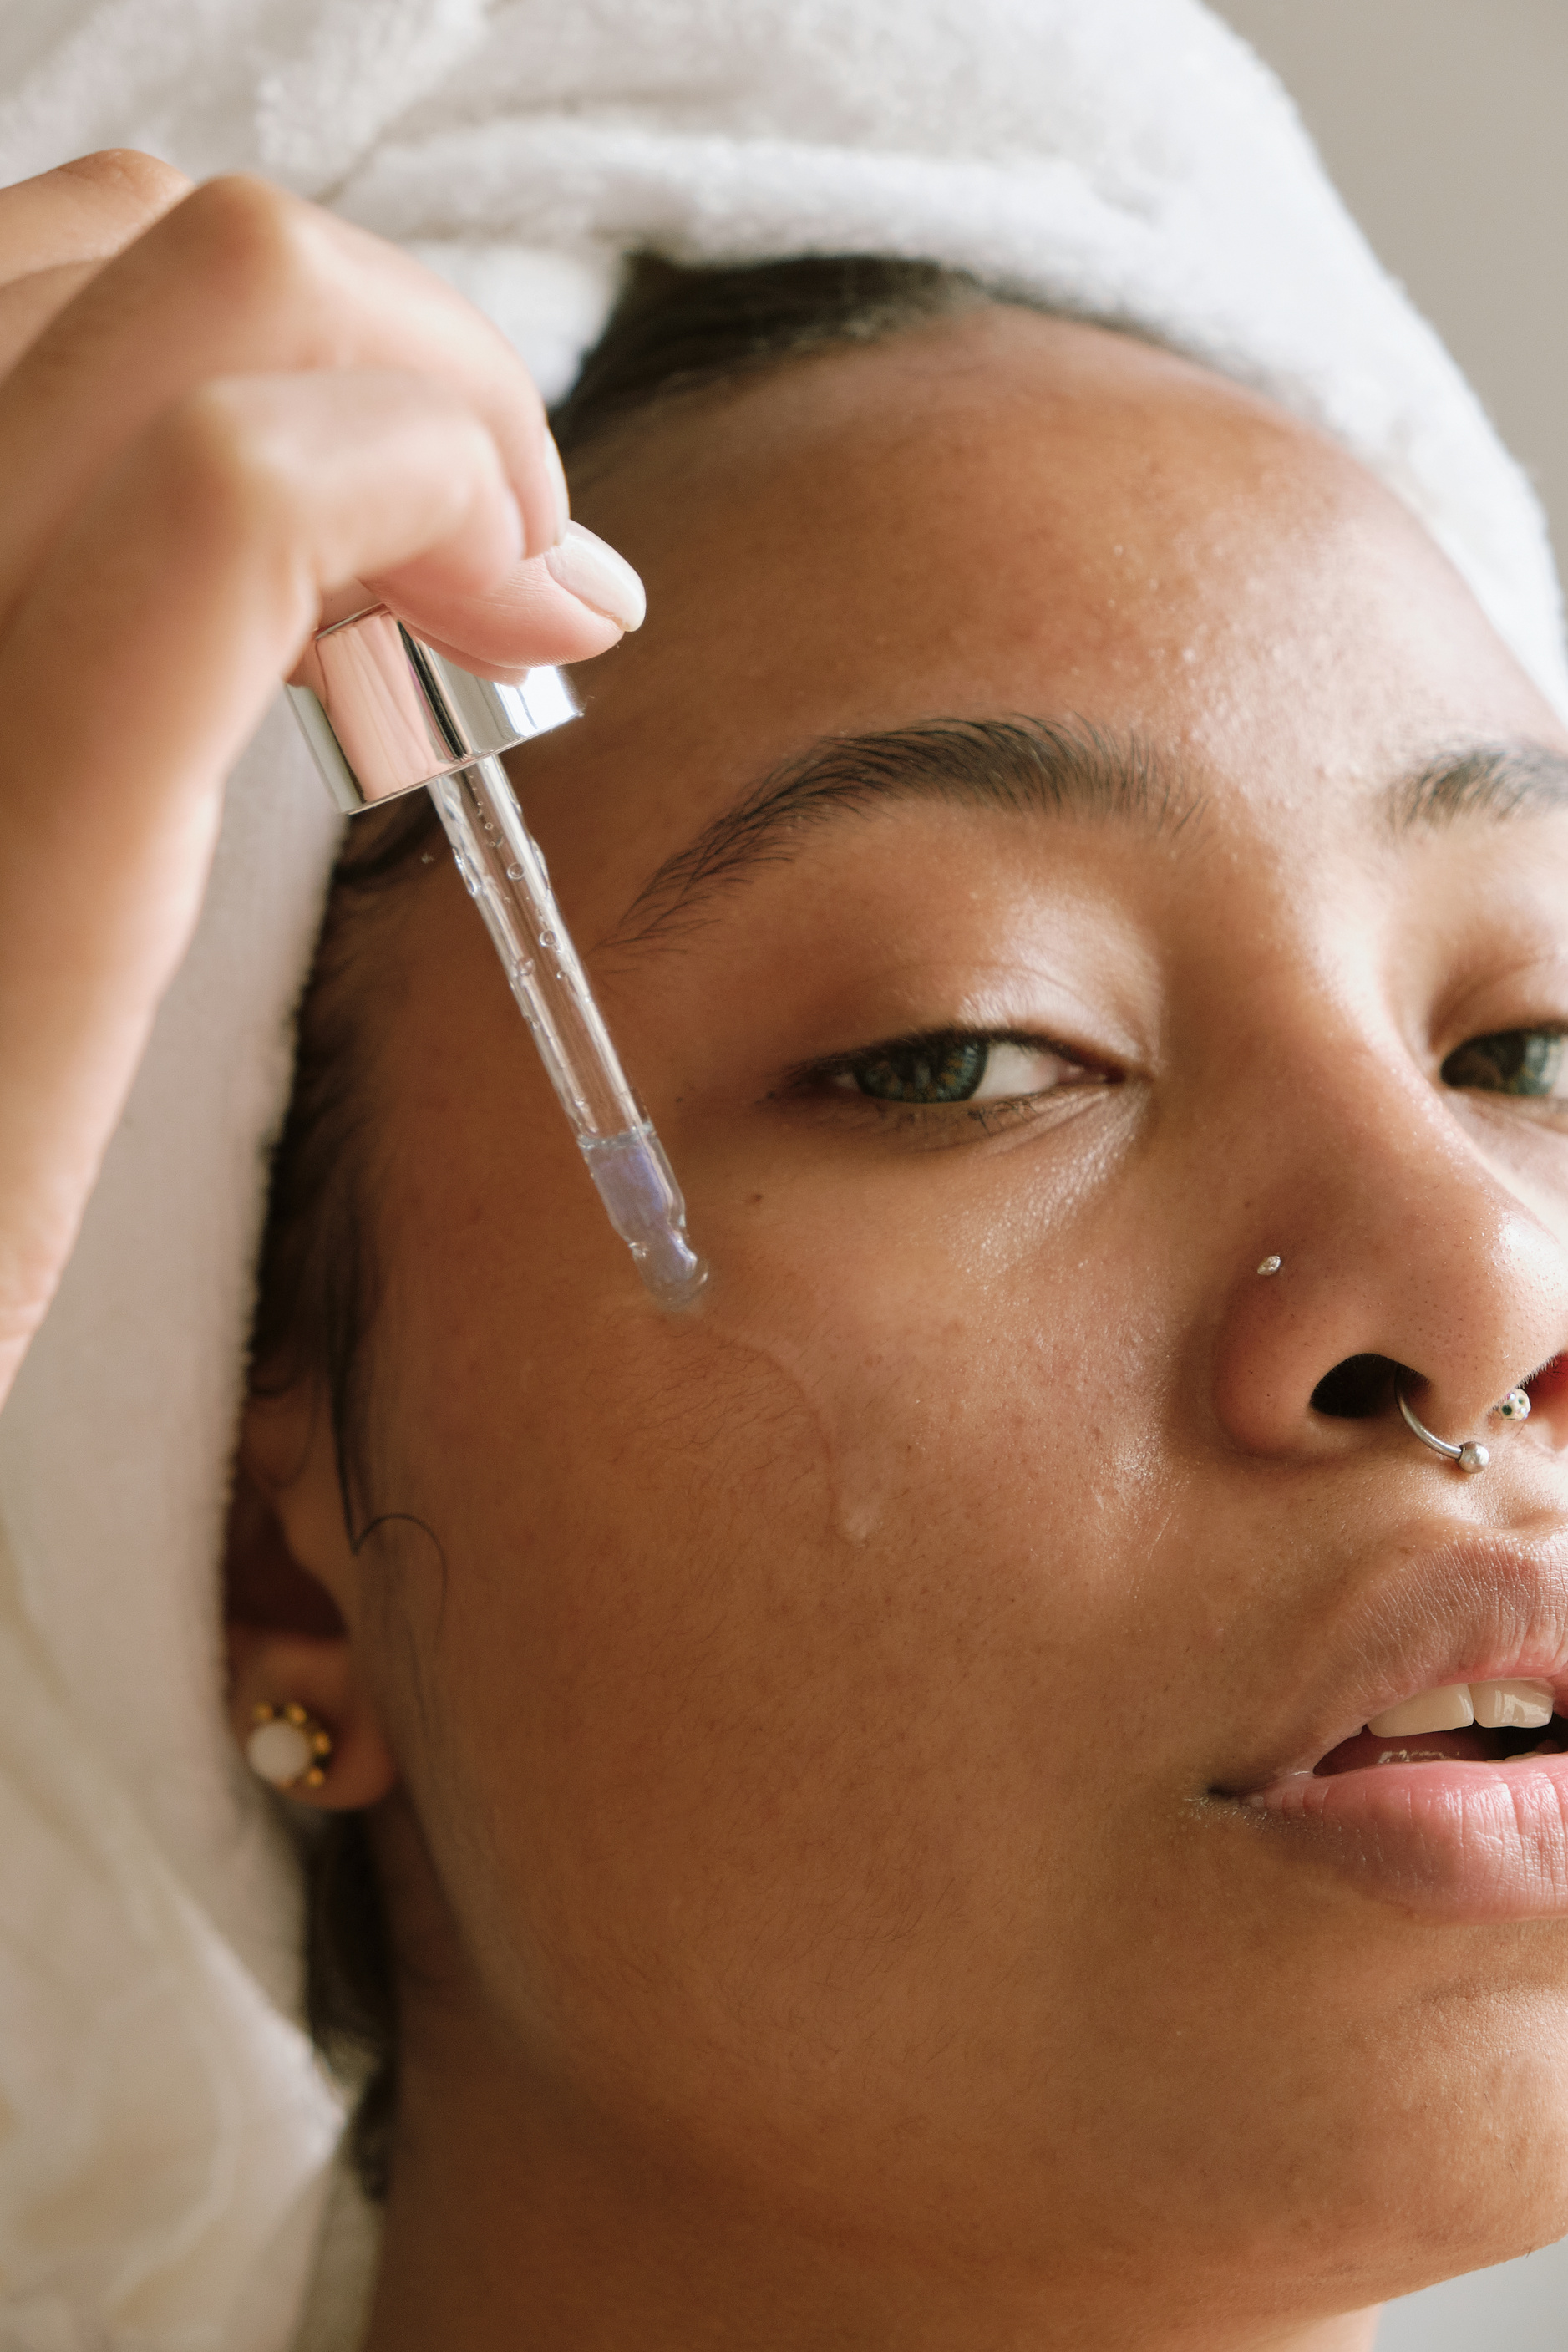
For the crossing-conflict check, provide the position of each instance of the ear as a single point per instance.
(288, 1506)
(291, 1584)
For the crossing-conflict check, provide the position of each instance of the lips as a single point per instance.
(1471, 1843)
(1457, 1806)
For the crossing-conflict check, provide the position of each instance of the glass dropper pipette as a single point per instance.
(385, 715)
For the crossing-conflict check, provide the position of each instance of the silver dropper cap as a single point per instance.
(385, 713)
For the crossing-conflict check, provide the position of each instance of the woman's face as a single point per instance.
(830, 1714)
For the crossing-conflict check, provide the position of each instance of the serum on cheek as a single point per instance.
(385, 715)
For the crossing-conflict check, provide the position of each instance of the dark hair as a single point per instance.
(675, 332)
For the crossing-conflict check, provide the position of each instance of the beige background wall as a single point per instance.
(1445, 125)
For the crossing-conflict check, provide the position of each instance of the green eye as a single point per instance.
(932, 1071)
(938, 1070)
(1515, 1062)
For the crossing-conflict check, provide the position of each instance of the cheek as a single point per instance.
(766, 1652)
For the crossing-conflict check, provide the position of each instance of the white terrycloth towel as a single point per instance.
(1125, 158)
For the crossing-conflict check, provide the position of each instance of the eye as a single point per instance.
(955, 1069)
(1514, 1061)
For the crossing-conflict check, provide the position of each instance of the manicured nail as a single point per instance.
(562, 495)
(592, 573)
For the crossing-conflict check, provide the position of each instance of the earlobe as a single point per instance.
(294, 1674)
(299, 1690)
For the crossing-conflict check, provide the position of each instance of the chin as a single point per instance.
(1462, 2182)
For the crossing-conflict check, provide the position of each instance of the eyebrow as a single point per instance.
(1038, 767)
(1492, 780)
(1016, 764)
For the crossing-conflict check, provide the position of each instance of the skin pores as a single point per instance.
(821, 1717)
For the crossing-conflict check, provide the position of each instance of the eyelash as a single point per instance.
(1537, 1057)
(1485, 1065)
(945, 1055)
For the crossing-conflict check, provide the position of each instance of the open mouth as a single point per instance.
(1462, 1821)
(1463, 1723)
(1449, 1797)
(1469, 1744)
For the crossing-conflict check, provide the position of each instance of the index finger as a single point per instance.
(84, 211)
(56, 232)
(238, 279)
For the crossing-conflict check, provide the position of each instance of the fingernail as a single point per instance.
(592, 572)
(556, 472)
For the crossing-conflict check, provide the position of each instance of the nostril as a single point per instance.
(1356, 1389)
(1549, 1382)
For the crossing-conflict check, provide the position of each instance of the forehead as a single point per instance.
(1007, 514)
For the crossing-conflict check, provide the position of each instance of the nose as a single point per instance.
(1407, 1260)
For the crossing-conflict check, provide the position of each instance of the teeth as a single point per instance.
(1434, 1710)
(1497, 1706)
(1511, 1706)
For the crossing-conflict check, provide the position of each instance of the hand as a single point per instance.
(222, 413)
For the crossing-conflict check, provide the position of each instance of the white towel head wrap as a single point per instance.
(164, 2131)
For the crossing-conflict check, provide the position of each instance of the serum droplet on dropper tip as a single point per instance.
(643, 1201)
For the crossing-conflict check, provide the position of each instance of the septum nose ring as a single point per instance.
(1470, 1455)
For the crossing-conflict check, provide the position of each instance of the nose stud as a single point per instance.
(1470, 1455)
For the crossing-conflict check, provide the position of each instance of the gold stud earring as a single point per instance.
(288, 1747)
